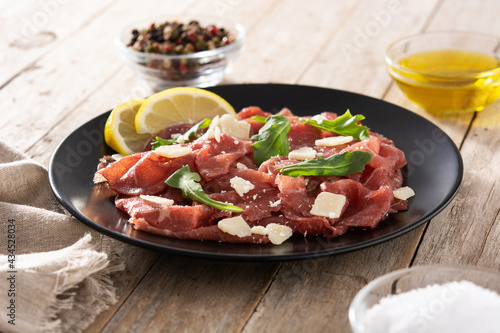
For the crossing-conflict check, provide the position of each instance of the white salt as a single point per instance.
(453, 307)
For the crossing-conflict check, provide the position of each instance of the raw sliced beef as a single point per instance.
(269, 196)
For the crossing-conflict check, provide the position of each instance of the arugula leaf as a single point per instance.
(194, 130)
(346, 124)
(260, 119)
(336, 165)
(187, 136)
(162, 142)
(187, 181)
(272, 139)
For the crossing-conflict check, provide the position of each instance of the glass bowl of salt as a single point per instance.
(435, 298)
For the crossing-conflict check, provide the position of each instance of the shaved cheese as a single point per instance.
(117, 157)
(217, 134)
(158, 200)
(333, 141)
(235, 226)
(328, 205)
(210, 133)
(259, 230)
(403, 193)
(241, 185)
(175, 135)
(180, 139)
(240, 129)
(240, 165)
(304, 153)
(173, 151)
(278, 233)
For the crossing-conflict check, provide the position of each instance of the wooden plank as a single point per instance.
(286, 40)
(353, 56)
(193, 295)
(120, 85)
(64, 76)
(109, 95)
(467, 231)
(64, 67)
(33, 28)
(450, 16)
(314, 295)
(455, 127)
(291, 301)
(138, 262)
(467, 16)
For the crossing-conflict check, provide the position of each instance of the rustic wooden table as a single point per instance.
(59, 68)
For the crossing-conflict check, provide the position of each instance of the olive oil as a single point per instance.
(449, 81)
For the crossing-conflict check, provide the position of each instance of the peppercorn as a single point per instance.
(175, 38)
(172, 37)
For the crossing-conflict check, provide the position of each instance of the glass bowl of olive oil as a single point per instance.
(447, 72)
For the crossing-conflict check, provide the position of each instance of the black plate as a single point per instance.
(434, 171)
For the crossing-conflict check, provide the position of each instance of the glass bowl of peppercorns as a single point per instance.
(172, 52)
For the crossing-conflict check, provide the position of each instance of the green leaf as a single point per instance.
(336, 165)
(194, 130)
(260, 119)
(162, 142)
(346, 124)
(188, 136)
(272, 139)
(187, 181)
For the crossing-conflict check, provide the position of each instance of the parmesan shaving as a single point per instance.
(217, 134)
(333, 141)
(158, 200)
(328, 205)
(230, 125)
(240, 165)
(304, 153)
(259, 230)
(210, 133)
(278, 233)
(241, 186)
(172, 151)
(403, 193)
(235, 226)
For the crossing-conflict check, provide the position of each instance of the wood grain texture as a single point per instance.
(31, 29)
(49, 90)
(185, 295)
(466, 231)
(353, 57)
(65, 76)
(286, 40)
(314, 295)
(138, 262)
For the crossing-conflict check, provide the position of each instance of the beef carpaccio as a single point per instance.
(266, 196)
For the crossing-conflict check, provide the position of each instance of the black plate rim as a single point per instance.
(249, 257)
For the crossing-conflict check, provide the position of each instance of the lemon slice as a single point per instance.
(119, 131)
(179, 105)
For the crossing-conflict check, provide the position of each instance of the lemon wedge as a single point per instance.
(179, 105)
(119, 131)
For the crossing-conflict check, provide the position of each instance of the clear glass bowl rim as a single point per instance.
(394, 65)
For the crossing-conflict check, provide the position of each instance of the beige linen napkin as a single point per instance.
(54, 270)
